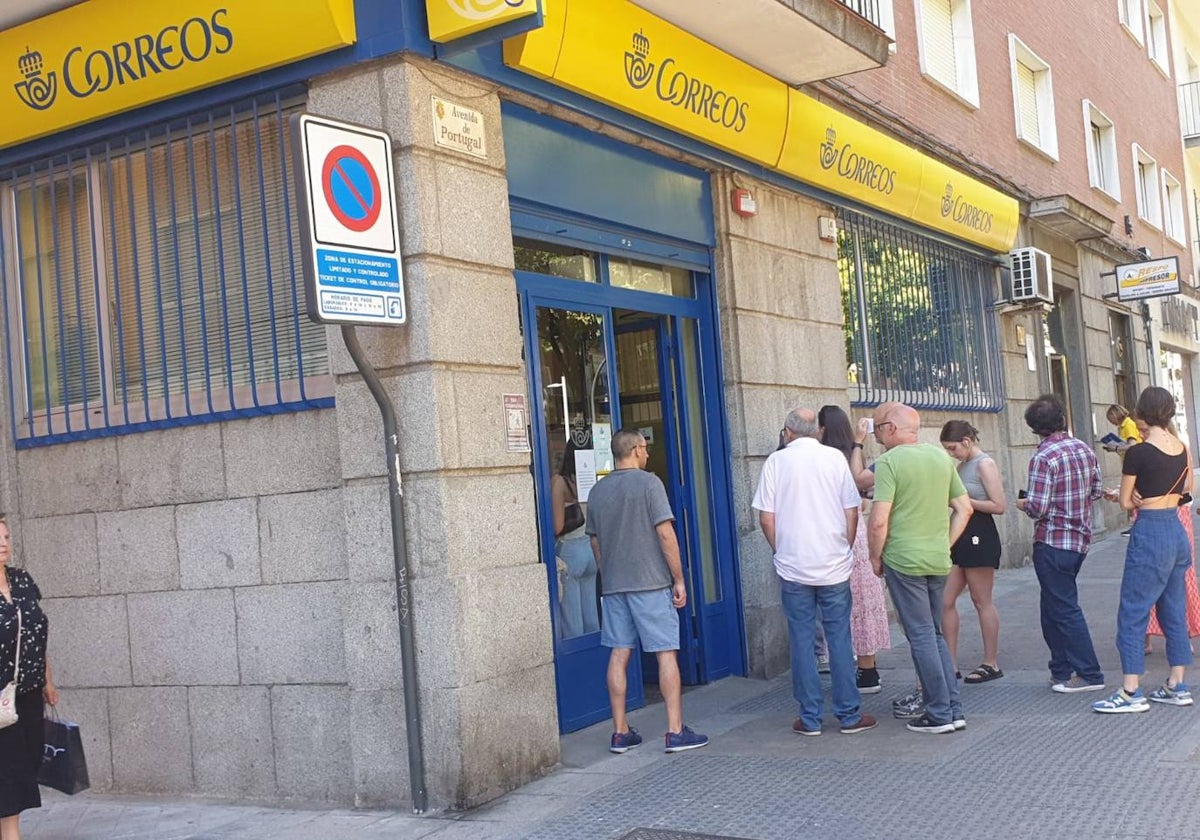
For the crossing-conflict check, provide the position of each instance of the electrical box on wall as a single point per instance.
(827, 228)
(1030, 278)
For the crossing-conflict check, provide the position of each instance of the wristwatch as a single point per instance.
(856, 445)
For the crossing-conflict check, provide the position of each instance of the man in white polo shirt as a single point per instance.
(808, 506)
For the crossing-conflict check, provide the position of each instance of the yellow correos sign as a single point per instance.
(616, 52)
(450, 20)
(831, 150)
(107, 56)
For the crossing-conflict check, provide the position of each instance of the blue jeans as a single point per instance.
(800, 604)
(578, 609)
(918, 602)
(1155, 563)
(1063, 626)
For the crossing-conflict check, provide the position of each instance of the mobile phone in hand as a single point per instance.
(1021, 494)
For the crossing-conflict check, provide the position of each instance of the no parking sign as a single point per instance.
(352, 270)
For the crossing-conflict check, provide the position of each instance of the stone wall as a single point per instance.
(223, 597)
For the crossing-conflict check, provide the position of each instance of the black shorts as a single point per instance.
(979, 546)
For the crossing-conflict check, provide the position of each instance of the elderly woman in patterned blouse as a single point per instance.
(21, 743)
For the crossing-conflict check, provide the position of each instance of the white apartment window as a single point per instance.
(1145, 171)
(1130, 14)
(887, 22)
(1033, 97)
(1101, 150)
(1172, 207)
(946, 42)
(1156, 36)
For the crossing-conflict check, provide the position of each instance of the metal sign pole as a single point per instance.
(408, 657)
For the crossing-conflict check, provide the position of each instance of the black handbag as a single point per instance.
(64, 767)
(572, 518)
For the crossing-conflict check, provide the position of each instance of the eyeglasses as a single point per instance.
(645, 446)
(879, 426)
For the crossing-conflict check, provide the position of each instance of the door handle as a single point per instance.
(562, 383)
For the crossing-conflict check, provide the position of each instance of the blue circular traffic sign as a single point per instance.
(351, 188)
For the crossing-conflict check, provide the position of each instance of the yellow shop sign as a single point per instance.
(103, 57)
(450, 20)
(617, 53)
(613, 51)
(829, 149)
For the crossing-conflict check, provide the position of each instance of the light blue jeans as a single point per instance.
(918, 602)
(578, 609)
(1156, 560)
(800, 607)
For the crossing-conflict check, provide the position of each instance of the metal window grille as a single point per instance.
(155, 280)
(918, 321)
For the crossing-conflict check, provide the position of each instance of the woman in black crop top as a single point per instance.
(1154, 477)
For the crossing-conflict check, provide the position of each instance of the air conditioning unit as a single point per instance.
(1030, 276)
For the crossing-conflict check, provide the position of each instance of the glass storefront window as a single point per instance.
(555, 260)
(648, 277)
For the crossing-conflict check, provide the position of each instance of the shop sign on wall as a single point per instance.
(516, 423)
(1148, 279)
(458, 128)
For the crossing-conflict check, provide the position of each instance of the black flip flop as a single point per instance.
(982, 674)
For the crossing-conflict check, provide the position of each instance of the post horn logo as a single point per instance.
(36, 92)
(948, 200)
(829, 152)
(639, 71)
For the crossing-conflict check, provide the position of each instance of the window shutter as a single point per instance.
(937, 28)
(1027, 101)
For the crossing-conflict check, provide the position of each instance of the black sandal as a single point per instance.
(982, 674)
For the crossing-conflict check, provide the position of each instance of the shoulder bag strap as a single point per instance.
(17, 663)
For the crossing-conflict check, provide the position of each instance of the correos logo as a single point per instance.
(683, 89)
(962, 211)
(86, 71)
(481, 9)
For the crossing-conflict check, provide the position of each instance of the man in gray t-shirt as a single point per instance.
(633, 537)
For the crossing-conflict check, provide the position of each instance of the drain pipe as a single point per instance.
(408, 657)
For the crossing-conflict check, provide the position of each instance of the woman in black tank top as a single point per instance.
(1154, 477)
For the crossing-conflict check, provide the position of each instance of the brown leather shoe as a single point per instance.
(864, 723)
(800, 729)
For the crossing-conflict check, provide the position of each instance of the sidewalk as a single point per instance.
(1031, 764)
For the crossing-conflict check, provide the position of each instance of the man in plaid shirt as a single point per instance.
(1064, 480)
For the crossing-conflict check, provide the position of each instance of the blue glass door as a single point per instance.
(613, 343)
(568, 349)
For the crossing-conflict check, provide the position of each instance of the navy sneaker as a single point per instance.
(623, 742)
(684, 739)
(929, 726)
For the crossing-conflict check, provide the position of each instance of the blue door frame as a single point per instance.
(712, 630)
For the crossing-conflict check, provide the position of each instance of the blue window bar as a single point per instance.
(919, 324)
(155, 280)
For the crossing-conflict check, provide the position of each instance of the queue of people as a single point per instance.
(931, 534)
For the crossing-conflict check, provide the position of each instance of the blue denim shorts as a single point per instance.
(649, 616)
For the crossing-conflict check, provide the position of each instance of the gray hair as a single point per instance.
(624, 442)
(801, 422)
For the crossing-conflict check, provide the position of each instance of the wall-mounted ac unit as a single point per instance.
(1030, 269)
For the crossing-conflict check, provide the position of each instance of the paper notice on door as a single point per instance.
(602, 445)
(585, 473)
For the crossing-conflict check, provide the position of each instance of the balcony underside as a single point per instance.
(797, 41)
